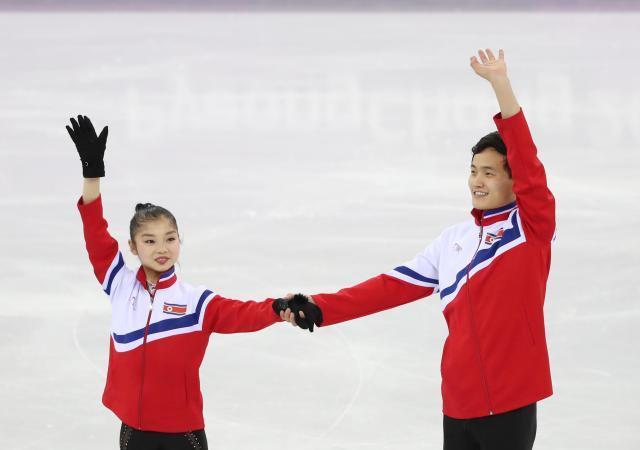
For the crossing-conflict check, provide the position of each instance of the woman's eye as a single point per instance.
(148, 241)
(172, 239)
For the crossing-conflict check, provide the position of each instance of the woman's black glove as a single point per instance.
(90, 147)
(300, 303)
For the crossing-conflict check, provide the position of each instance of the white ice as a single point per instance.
(310, 152)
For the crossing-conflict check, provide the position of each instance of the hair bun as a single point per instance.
(143, 206)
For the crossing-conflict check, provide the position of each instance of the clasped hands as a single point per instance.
(299, 310)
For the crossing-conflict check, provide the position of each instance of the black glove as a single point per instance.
(300, 302)
(90, 147)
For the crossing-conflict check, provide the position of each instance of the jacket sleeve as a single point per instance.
(228, 316)
(535, 201)
(106, 259)
(411, 281)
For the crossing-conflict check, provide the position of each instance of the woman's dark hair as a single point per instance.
(148, 212)
(492, 140)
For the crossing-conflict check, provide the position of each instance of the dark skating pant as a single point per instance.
(513, 430)
(132, 439)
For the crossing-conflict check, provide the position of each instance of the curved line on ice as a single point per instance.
(76, 342)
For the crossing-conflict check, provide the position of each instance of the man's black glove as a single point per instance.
(300, 303)
(90, 147)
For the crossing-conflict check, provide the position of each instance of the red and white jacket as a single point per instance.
(157, 344)
(491, 273)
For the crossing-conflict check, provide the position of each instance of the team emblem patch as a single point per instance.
(490, 238)
(174, 309)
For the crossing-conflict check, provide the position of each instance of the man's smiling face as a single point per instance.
(490, 183)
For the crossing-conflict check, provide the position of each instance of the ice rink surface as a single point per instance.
(310, 152)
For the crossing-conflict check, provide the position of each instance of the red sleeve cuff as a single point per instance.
(511, 121)
(93, 208)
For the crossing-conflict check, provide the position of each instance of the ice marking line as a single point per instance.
(602, 373)
(82, 353)
(38, 443)
(355, 395)
(622, 314)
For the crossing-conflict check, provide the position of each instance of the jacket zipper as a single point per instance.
(473, 324)
(144, 342)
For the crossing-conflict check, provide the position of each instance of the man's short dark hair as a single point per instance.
(492, 140)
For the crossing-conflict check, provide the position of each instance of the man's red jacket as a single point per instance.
(491, 273)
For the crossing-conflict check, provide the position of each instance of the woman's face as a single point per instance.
(157, 244)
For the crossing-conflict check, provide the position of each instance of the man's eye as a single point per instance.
(172, 239)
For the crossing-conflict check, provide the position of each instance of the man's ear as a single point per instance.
(132, 247)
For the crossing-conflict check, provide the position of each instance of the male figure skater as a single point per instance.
(491, 273)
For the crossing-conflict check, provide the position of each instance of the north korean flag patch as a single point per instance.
(493, 237)
(174, 309)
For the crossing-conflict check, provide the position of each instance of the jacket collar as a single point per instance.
(489, 216)
(166, 279)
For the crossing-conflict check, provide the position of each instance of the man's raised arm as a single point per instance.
(535, 200)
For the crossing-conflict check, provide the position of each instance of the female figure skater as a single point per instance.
(160, 326)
